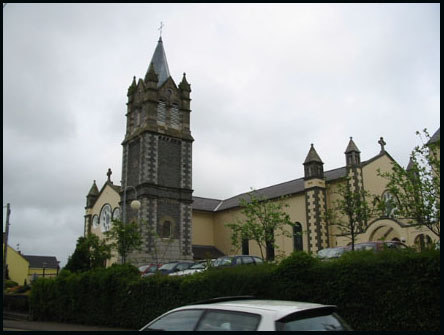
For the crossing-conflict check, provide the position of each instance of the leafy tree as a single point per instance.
(90, 253)
(263, 218)
(124, 238)
(417, 188)
(351, 211)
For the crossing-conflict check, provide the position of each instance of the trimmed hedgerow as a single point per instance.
(390, 290)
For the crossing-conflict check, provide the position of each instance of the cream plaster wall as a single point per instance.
(222, 234)
(107, 196)
(203, 228)
(374, 184)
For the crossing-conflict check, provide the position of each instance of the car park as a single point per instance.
(171, 267)
(227, 261)
(331, 253)
(249, 314)
(199, 266)
(150, 270)
(378, 245)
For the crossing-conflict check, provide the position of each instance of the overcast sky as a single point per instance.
(267, 80)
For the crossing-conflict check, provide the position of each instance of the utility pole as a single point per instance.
(5, 242)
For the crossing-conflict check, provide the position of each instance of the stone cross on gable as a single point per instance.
(382, 143)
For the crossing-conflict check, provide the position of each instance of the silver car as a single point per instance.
(231, 314)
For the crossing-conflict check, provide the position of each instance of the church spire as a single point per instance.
(159, 63)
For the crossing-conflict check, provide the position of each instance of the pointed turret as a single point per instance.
(315, 201)
(132, 87)
(352, 154)
(92, 195)
(159, 63)
(151, 76)
(184, 85)
(313, 165)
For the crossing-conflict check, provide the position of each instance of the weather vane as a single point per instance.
(160, 29)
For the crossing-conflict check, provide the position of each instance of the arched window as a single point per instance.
(176, 117)
(297, 237)
(423, 242)
(391, 204)
(165, 229)
(161, 113)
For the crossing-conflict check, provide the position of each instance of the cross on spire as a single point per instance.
(160, 29)
(382, 143)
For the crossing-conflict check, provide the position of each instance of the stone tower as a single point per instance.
(157, 162)
(354, 170)
(315, 201)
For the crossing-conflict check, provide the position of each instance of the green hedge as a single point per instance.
(390, 290)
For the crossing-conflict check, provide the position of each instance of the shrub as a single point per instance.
(10, 283)
(390, 290)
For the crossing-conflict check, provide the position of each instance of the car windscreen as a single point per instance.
(185, 320)
(330, 252)
(168, 266)
(222, 261)
(222, 320)
(318, 319)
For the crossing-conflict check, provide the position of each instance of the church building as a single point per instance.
(175, 225)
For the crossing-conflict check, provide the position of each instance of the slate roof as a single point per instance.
(160, 63)
(271, 192)
(205, 204)
(435, 137)
(351, 147)
(206, 251)
(37, 261)
(94, 190)
(275, 191)
(312, 156)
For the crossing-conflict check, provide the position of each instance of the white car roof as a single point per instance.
(275, 308)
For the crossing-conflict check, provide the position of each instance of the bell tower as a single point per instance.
(157, 163)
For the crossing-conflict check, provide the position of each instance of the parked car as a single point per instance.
(196, 267)
(149, 270)
(330, 253)
(246, 314)
(171, 267)
(226, 261)
(379, 245)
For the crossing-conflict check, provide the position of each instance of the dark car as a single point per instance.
(226, 261)
(171, 267)
(378, 245)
